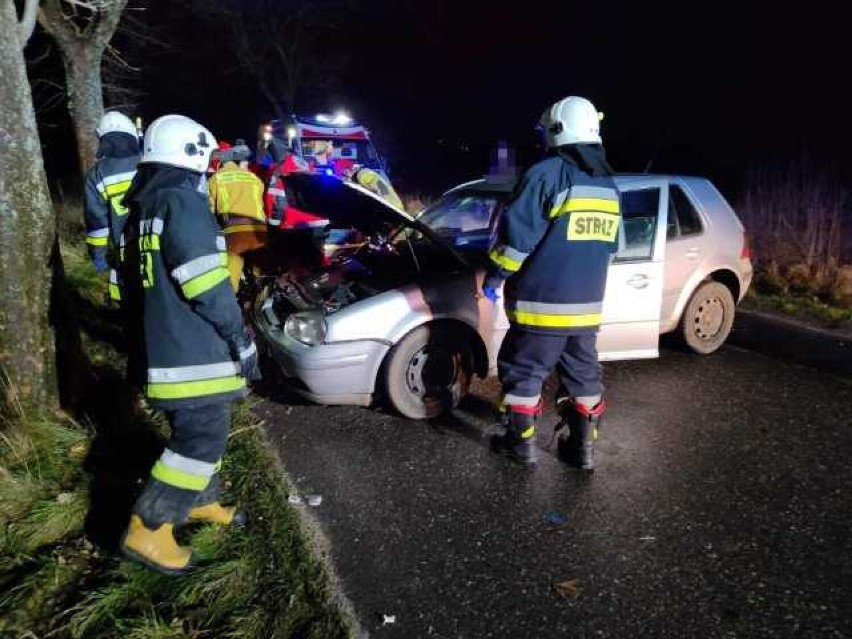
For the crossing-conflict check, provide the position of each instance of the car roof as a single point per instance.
(505, 184)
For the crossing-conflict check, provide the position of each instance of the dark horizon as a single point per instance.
(709, 91)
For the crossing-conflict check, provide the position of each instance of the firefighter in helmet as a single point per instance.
(554, 245)
(198, 353)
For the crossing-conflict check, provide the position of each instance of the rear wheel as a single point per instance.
(708, 318)
(428, 371)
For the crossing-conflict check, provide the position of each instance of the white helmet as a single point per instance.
(115, 122)
(177, 140)
(572, 120)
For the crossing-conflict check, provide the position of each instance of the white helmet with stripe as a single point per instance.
(176, 140)
(115, 122)
(572, 120)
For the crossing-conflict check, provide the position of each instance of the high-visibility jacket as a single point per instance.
(278, 211)
(555, 240)
(179, 292)
(105, 186)
(236, 199)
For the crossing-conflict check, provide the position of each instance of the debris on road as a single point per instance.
(569, 589)
(314, 500)
(388, 619)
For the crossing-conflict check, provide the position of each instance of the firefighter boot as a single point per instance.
(577, 446)
(216, 513)
(155, 547)
(209, 509)
(518, 441)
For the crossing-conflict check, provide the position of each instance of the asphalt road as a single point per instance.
(721, 507)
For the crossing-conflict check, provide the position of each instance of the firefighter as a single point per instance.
(236, 198)
(198, 353)
(554, 246)
(300, 235)
(106, 184)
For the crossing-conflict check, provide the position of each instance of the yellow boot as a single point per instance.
(157, 549)
(216, 513)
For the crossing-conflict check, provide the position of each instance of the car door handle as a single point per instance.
(692, 254)
(640, 280)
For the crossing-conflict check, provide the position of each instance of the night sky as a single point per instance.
(708, 88)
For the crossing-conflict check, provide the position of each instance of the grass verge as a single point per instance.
(808, 308)
(62, 479)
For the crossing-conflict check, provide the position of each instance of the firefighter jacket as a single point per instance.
(236, 199)
(554, 244)
(278, 212)
(106, 184)
(179, 292)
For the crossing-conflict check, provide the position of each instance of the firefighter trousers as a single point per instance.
(187, 473)
(527, 357)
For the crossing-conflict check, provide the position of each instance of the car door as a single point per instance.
(634, 289)
(685, 248)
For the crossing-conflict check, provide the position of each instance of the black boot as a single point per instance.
(518, 442)
(577, 445)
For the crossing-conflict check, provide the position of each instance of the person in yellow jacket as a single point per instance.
(236, 199)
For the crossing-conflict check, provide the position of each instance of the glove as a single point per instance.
(244, 351)
(490, 293)
(99, 261)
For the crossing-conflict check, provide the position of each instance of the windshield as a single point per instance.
(461, 213)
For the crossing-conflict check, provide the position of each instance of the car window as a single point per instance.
(682, 213)
(640, 210)
(460, 213)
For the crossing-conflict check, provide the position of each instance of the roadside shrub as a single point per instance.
(796, 216)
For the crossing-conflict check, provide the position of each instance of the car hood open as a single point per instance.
(344, 204)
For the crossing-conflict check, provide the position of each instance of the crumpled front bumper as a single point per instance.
(340, 373)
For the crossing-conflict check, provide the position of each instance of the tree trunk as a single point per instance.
(27, 229)
(82, 51)
(85, 98)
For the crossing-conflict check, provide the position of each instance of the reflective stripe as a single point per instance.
(96, 241)
(113, 276)
(118, 188)
(517, 400)
(313, 224)
(114, 179)
(200, 388)
(546, 308)
(196, 267)
(149, 243)
(585, 204)
(104, 232)
(203, 283)
(273, 222)
(554, 321)
(183, 472)
(114, 292)
(276, 192)
(154, 225)
(187, 464)
(192, 373)
(250, 350)
(529, 432)
(221, 245)
(508, 258)
(246, 228)
(595, 192)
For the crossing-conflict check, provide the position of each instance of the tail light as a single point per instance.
(746, 253)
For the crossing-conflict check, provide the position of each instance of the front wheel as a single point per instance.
(428, 371)
(708, 318)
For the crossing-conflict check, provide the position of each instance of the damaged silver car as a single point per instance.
(398, 315)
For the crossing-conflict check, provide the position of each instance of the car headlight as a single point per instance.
(308, 328)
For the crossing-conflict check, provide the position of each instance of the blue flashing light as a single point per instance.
(329, 171)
